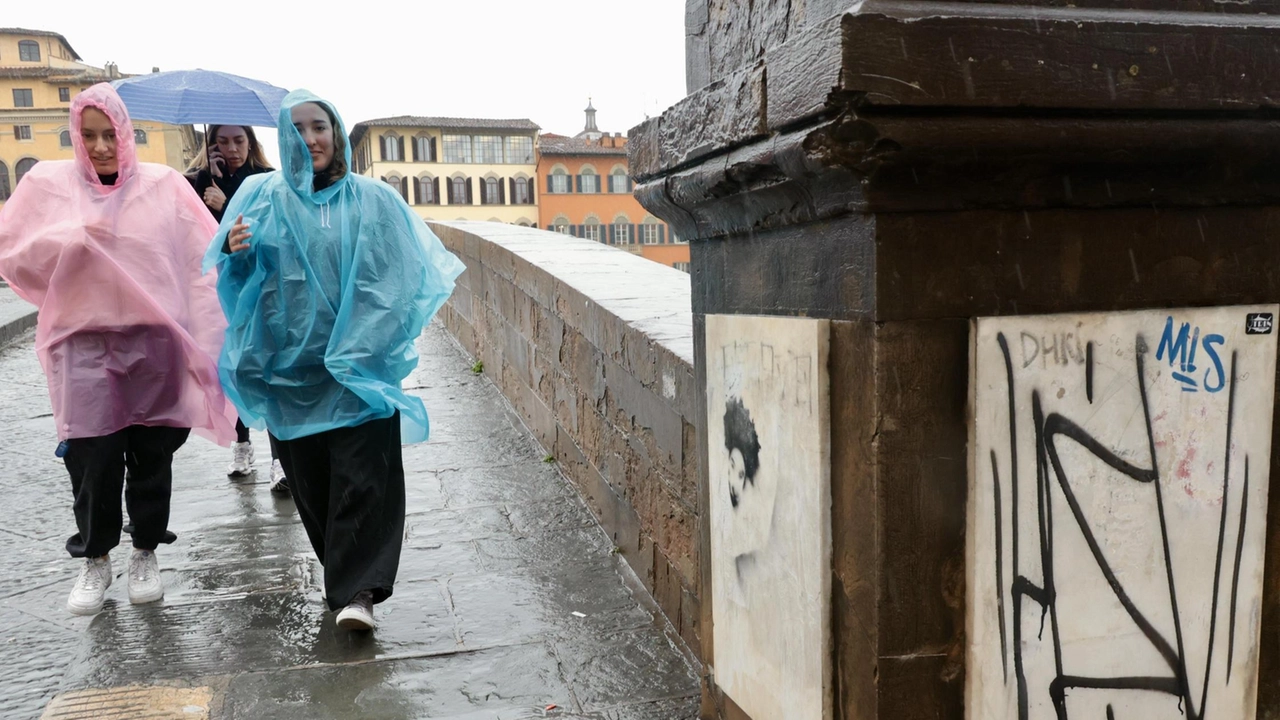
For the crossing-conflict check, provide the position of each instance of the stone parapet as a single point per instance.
(594, 348)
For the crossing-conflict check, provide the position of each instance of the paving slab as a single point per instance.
(509, 598)
(17, 316)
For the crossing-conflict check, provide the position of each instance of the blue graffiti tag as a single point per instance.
(1180, 352)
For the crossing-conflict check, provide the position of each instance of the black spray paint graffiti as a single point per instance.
(1050, 470)
(740, 435)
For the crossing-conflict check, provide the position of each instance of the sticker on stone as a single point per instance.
(1259, 323)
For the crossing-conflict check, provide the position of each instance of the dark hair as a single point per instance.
(338, 165)
(257, 158)
(740, 435)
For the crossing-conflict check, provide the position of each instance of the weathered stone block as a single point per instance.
(729, 32)
(539, 418)
(644, 153)
(516, 349)
(690, 618)
(666, 587)
(638, 356)
(648, 412)
(726, 113)
(803, 73)
(565, 405)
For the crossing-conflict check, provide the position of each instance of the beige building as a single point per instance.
(39, 74)
(454, 168)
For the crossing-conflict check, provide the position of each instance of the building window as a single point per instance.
(588, 181)
(400, 185)
(460, 191)
(621, 231)
(561, 225)
(64, 94)
(428, 191)
(558, 182)
(21, 132)
(4, 182)
(64, 138)
(591, 230)
(22, 168)
(520, 191)
(681, 266)
(492, 192)
(28, 51)
(520, 150)
(424, 149)
(651, 235)
(488, 149)
(22, 98)
(392, 148)
(457, 149)
(139, 137)
(619, 182)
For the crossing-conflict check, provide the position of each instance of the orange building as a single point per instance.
(586, 192)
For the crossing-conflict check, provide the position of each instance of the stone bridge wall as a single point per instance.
(594, 348)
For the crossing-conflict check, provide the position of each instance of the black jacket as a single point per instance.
(228, 184)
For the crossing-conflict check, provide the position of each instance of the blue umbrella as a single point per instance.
(182, 97)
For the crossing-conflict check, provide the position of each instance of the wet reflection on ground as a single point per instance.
(508, 600)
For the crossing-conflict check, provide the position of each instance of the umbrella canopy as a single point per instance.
(184, 97)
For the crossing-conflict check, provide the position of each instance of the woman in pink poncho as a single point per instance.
(129, 332)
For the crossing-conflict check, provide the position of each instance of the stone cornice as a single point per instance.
(897, 105)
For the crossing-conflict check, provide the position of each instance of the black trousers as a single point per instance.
(348, 484)
(242, 435)
(97, 467)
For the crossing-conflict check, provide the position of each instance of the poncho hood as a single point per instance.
(104, 97)
(295, 158)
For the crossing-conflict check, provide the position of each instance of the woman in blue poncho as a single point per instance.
(327, 279)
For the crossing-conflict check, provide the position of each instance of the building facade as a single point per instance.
(454, 168)
(39, 75)
(587, 192)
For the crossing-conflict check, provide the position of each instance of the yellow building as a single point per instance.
(39, 74)
(454, 168)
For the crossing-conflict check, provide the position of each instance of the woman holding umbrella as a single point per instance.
(329, 281)
(128, 333)
(216, 173)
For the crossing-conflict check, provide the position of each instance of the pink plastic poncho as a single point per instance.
(129, 331)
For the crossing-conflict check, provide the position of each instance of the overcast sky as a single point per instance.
(501, 58)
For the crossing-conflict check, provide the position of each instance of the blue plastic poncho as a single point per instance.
(324, 306)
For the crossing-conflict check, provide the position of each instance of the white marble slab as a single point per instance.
(1119, 466)
(768, 430)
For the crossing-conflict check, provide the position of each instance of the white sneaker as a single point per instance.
(279, 483)
(144, 577)
(359, 614)
(241, 459)
(91, 586)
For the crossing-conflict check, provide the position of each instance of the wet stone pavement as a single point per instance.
(509, 597)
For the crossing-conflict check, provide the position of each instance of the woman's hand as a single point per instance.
(215, 162)
(215, 198)
(238, 238)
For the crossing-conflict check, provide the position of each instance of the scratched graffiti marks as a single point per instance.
(1115, 545)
